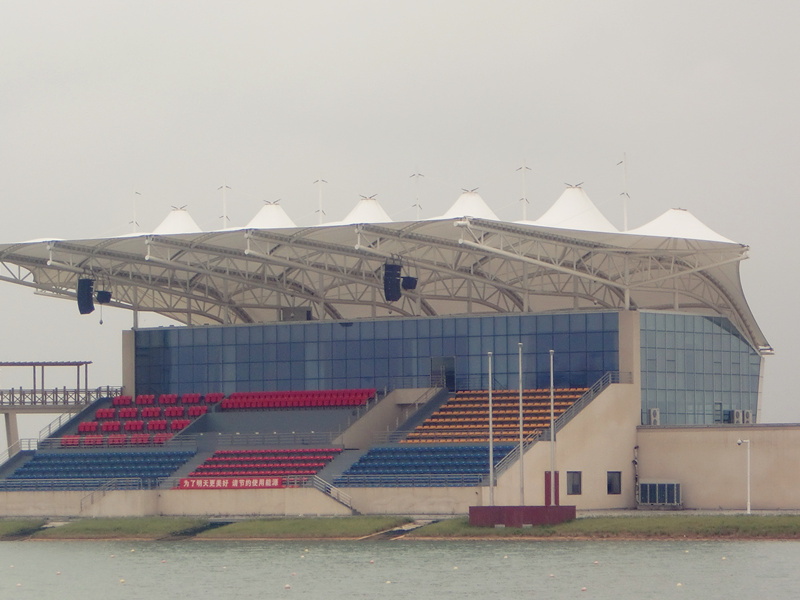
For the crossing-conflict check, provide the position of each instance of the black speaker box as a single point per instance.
(85, 292)
(391, 282)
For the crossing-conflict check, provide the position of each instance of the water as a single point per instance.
(419, 570)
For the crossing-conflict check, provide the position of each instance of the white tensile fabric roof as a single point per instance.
(470, 204)
(680, 223)
(574, 210)
(271, 215)
(463, 265)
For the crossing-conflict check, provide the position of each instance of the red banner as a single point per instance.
(232, 483)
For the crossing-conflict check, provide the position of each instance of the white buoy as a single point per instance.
(680, 584)
(287, 587)
(122, 581)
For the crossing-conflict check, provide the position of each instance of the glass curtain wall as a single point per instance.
(390, 353)
(696, 370)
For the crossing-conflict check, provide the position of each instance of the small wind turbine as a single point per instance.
(224, 216)
(625, 195)
(135, 223)
(524, 198)
(319, 210)
(416, 177)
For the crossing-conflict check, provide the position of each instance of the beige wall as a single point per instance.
(599, 439)
(283, 502)
(383, 418)
(630, 354)
(712, 468)
(129, 362)
(414, 501)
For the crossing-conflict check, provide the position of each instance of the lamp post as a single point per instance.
(552, 436)
(740, 442)
(491, 436)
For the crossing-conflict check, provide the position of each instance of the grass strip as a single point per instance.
(10, 530)
(670, 526)
(305, 528)
(151, 528)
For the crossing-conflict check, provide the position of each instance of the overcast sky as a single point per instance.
(102, 99)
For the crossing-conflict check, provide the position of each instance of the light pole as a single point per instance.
(491, 436)
(740, 442)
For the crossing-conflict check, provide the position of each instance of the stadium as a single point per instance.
(419, 367)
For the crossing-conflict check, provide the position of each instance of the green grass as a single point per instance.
(134, 528)
(305, 528)
(10, 530)
(647, 526)
(670, 526)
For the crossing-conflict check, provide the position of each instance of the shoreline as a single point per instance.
(667, 527)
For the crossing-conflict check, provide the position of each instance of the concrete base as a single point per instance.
(519, 516)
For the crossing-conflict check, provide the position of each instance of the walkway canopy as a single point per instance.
(447, 266)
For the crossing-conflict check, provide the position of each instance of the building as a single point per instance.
(656, 314)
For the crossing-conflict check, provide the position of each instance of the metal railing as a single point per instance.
(416, 480)
(19, 397)
(236, 440)
(122, 483)
(593, 392)
(392, 437)
(68, 484)
(331, 490)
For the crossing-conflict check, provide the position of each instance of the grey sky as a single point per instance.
(171, 99)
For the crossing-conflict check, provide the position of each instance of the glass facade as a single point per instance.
(389, 353)
(696, 370)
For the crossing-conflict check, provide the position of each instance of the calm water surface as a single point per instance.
(418, 570)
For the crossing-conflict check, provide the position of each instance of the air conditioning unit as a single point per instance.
(655, 416)
(737, 417)
(747, 417)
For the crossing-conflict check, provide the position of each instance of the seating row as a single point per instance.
(148, 466)
(166, 399)
(297, 399)
(398, 461)
(114, 439)
(231, 463)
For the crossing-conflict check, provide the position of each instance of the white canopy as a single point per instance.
(271, 216)
(574, 210)
(177, 221)
(679, 223)
(470, 204)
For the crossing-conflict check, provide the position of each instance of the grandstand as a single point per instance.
(345, 368)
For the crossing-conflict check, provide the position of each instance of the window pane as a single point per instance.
(614, 482)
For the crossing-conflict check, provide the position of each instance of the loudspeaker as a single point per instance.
(409, 283)
(103, 297)
(391, 282)
(85, 291)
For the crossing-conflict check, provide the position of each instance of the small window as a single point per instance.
(614, 482)
(573, 483)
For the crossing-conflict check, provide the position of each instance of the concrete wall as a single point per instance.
(599, 439)
(414, 501)
(712, 468)
(140, 503)
(381, 419)
(129, 362)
